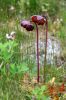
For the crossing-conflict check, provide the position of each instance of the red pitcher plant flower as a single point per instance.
(40, 20)
(26, 24)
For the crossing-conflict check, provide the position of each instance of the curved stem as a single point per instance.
(45, 59)
(37, 38)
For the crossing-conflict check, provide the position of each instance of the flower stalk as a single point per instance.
(37, 38)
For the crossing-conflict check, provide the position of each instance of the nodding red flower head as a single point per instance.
(26, 24)
(38, 19)
(29, 27)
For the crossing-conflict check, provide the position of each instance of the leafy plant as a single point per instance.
(7, 50)
(19, 69)
(6, 53)
(38, 92)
